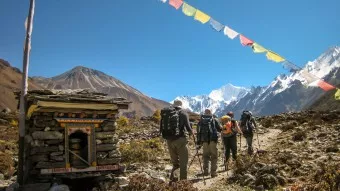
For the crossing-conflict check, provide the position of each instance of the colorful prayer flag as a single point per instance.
(176, 3)
(201, 17)
(325, 86)
(308, 77)
(258, 48)
(216, 25)
(230, 32)
(188, 10)
(245, 41)
(337, 95)
(290, 66)
(164, 1)
(274, 56)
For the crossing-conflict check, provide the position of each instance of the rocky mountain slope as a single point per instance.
(285, 93)
(326, 102)
(290, 92)
(216, 99)
(86, 78)
(10, 81)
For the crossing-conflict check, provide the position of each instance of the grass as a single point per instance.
(142, 150)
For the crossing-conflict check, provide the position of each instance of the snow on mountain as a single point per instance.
(215, 100)
(291, 92)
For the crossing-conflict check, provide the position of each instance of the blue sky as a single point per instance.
(160, 51)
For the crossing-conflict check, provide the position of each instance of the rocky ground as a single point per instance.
(300, 151)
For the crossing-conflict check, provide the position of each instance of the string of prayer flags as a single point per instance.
(201, 17)
(308, 77)
(230, 32)
(274, 56)
(188, 10)
(290, 66)
(216, 25)
(337, 94)
(176, 3)
(245, 41)
(258, 48)
(325, 86)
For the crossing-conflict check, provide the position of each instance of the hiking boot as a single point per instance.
(213, 174)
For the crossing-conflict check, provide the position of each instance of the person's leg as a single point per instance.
(174, 157)
(213, 153)
(233, 144)
(182, 148)
(227, 148)
(249, 139)
(206, 158)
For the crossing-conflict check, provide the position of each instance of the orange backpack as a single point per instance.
(227, 128)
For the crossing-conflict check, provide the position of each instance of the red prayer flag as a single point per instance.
(176, 3)
(325, 86)
(245, 41)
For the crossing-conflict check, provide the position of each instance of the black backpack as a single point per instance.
(170, 123)
(206, 128)
(246, 125)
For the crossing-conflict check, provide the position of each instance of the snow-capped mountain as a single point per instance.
(290, 92)
(216, 99)
(285, 93)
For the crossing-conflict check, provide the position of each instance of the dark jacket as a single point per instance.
(205, 135)
(184, 125)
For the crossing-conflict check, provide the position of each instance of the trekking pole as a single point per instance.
(224, 157)
(192, 160)
(199, 160)
(258, 140)
(240, 142)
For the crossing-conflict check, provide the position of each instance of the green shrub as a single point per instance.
(122, 121)
(142, 151)
(156, 117)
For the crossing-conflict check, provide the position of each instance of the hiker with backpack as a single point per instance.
(207, 136)
(175, 127)
(229, 132)
(248, 126)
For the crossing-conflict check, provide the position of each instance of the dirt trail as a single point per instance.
(266, 140)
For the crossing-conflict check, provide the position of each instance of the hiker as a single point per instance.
(230, 129)
(175, 127)
(248, 126)
(207, 129)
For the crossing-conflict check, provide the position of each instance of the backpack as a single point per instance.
(206, 128)
(170, 122)
(228, 129)
(246, 124)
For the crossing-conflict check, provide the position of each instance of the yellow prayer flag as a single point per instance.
(202, 17)
(188, 10)
(258, 48)
(337, 94)
(274, 56)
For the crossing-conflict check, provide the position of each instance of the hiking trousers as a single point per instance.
(249, 139)
(179, 155)
(230, 143)
(210, 155)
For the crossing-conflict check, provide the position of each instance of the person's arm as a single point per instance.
(198, 130)
(253, 121)
(218, 125)
(187, 123)
(238, 129)
(161, 127)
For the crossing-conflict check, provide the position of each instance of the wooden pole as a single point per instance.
(24, 87)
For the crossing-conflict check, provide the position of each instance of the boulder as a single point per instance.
(106, 147)
(44, 135)
(49, 149)
(104, 135)
(108, 161)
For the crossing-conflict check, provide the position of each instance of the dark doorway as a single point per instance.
(78, 145)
